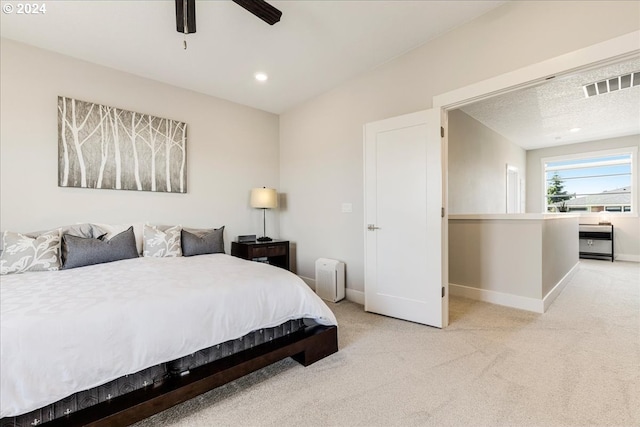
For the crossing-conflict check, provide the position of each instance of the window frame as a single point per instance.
(633, 151)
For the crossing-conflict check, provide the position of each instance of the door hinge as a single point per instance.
(441, 132)
(443, 292)
(441, 212)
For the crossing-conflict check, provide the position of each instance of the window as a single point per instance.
(593, 182)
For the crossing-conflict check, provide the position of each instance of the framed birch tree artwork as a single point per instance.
(112, 148)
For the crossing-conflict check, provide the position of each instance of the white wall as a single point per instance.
(626, 226)
(503, 256)
(231, 148)
(517, 260)
(477, 166)
(321, 140)
(559, 251)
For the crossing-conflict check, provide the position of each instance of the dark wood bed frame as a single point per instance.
(305, 346)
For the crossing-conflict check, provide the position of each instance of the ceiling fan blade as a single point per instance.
(186, 9)
(261, 9)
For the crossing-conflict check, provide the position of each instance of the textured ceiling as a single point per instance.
(542, 116)
(316, 46)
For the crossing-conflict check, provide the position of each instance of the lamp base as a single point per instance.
(264, 239)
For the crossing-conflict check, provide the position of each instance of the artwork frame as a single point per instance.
(106, 147)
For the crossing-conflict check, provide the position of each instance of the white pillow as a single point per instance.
(114, 229)
(161, 241)
(21, 253)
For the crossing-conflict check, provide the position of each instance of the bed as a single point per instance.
(113, 343)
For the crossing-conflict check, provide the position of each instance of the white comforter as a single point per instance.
(70, 330)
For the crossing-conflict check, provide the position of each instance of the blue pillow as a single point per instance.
(82, 251)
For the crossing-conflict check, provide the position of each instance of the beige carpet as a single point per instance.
(576, 365)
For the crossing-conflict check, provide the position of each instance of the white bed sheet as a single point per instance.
(70, 330)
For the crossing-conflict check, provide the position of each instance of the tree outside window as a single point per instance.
(556, 192)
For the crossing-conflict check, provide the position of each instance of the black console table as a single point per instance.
(596, 241)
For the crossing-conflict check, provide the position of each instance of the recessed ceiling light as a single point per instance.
(261, 77)
(574, 130)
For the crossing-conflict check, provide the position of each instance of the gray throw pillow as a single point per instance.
(201, 242)
(81, 251)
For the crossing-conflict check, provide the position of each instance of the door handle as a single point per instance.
(372, 227)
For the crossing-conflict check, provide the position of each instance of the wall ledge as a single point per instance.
(515, 217)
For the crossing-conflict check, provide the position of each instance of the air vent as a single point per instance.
(612, 84)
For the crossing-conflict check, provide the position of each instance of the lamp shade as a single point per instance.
(264, 198)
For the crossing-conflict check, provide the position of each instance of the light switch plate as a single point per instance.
(347, 208)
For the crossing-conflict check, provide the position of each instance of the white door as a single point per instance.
(403, 223)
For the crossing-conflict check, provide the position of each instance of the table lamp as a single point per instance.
(264, 198)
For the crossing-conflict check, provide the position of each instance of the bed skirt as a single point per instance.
(150, 376)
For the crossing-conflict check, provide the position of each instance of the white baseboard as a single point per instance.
(310, 282)
(553, 293)
(514, 301)
(626, 257)
(355, 296)
(351, 295)
(499, 298)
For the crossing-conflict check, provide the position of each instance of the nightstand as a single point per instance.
(275, 252)
(596, 241)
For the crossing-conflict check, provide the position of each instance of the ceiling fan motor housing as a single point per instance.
(186, 16)
(186, 13)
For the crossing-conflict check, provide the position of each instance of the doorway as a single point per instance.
(614, 50)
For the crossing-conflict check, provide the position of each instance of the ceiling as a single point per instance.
(543, 115)
(316, 46)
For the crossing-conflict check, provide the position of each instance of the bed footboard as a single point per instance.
(305, 346)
